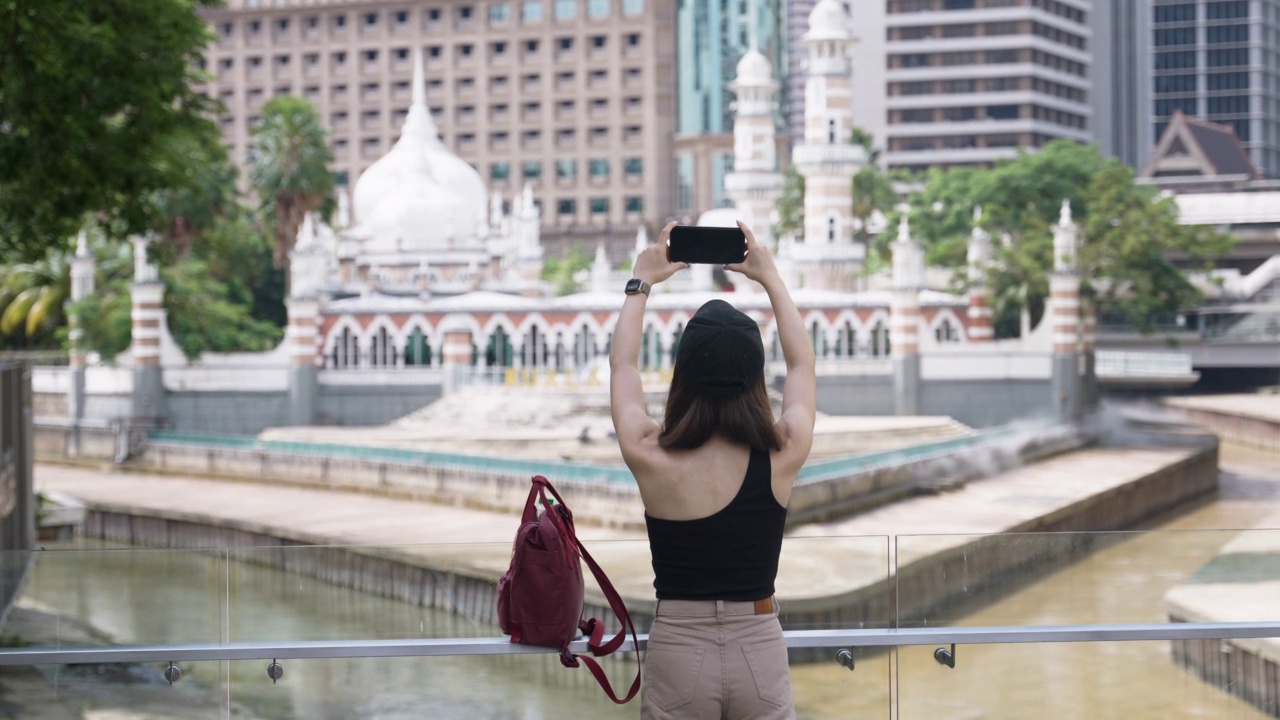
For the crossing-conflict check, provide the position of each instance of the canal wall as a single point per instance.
(830, 489)
(955, 570)
(1252, 420)
(1237, 585)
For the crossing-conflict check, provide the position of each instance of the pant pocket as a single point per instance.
(670, 675)
(767, 661)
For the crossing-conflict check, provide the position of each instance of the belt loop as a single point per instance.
(719, 611)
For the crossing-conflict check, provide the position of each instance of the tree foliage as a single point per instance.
(92, 95)
(31, 300)
(872, 188)
(290, 169)
(1128, 232)
(790, 205)
(563, 272)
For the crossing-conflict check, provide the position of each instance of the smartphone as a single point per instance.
(710, 245)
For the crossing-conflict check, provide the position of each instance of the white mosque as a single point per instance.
(424, 268)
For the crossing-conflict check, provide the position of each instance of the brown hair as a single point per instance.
(692, 417)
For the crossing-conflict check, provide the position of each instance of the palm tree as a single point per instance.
(290, 169)
(32, 297)
(871, 188)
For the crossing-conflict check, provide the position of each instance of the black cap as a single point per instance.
(720, 351)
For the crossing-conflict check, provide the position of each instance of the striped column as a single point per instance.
(904, 320)
(148, 317)
(302, 335)
(981, 316)
(1064, 301)
(456, 354)
(1089, 320)
(303, 332)
(1064, 312)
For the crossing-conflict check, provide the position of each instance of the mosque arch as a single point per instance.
(382, 348)
(947, 329)
(418, 349)
(341, 350)
(879, 340)
(499, 350)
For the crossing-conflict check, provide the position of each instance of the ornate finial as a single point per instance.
(1064, 217)
(419, 79)
(82, 243)
(143, 270)
(904, 229)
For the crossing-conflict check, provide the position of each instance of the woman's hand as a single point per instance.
(758, 264)
(652, 265)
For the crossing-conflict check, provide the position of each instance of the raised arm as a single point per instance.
(626, 393)
(799, 392)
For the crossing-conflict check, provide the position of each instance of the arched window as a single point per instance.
(946, 332)
(417, 351)
(559, 354)
(675, 342)
(535, 352)
(879, 340)
(346, 351)
(847, 341)
(819, 340)
(583, 347)
(382, 350)
(498, 353)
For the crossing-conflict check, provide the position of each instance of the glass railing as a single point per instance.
(1064, 625)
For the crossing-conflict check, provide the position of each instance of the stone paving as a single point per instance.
(819, 560)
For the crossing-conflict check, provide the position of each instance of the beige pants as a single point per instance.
(716, 660)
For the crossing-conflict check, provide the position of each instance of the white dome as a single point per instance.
(419, 196)
(754, 69)
(828, 21)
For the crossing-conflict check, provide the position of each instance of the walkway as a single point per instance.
(837, 559)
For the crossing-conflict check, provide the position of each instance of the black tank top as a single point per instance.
(731, 555)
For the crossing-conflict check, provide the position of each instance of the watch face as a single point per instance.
(634, 285)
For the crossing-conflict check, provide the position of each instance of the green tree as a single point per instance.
(90, 95)
(206, 193)
(561, 271)
(290, 169)
(1128, 232)
(790, 205)
(872, 188)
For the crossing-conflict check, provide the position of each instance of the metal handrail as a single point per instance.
(841, 638)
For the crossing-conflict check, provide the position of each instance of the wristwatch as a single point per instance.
(635, 286)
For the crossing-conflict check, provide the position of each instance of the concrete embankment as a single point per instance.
(1252, 420)
(1241, 584)
(833, 574)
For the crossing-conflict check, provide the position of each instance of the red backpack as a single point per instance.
(540, 597)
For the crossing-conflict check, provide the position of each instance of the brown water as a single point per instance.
(149, 596)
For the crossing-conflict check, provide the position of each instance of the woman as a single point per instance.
(715, 478)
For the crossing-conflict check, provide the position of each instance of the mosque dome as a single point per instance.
(828, 21)
(754, 69)
(419, 196)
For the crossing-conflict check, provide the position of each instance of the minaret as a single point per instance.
(148, 316)
(1064, 310)
(82, 269)
(308, 266)
(981, 255)
(904, 320)
(827, 158)
(755, 183)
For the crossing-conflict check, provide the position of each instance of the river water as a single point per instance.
(162, 597)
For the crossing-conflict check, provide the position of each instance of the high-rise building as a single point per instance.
(713, 36)
(575, 97)
(1120, 75)
(1218, 60)
(970, 81)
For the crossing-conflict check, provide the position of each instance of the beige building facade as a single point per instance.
(573, 97)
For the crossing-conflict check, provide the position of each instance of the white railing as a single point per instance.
(1142, 364)
(450, 647)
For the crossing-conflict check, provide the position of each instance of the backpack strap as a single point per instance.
(594, 628)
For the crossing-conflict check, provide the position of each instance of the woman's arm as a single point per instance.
(631, 419)
(799, 392)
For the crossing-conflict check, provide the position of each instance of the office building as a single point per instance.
(1218, 61)
(971, 81)
(1120, 75)
(574, 97)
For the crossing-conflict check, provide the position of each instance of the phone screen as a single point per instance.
(711, 245)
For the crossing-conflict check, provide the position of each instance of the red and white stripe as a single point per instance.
(1064, 304)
